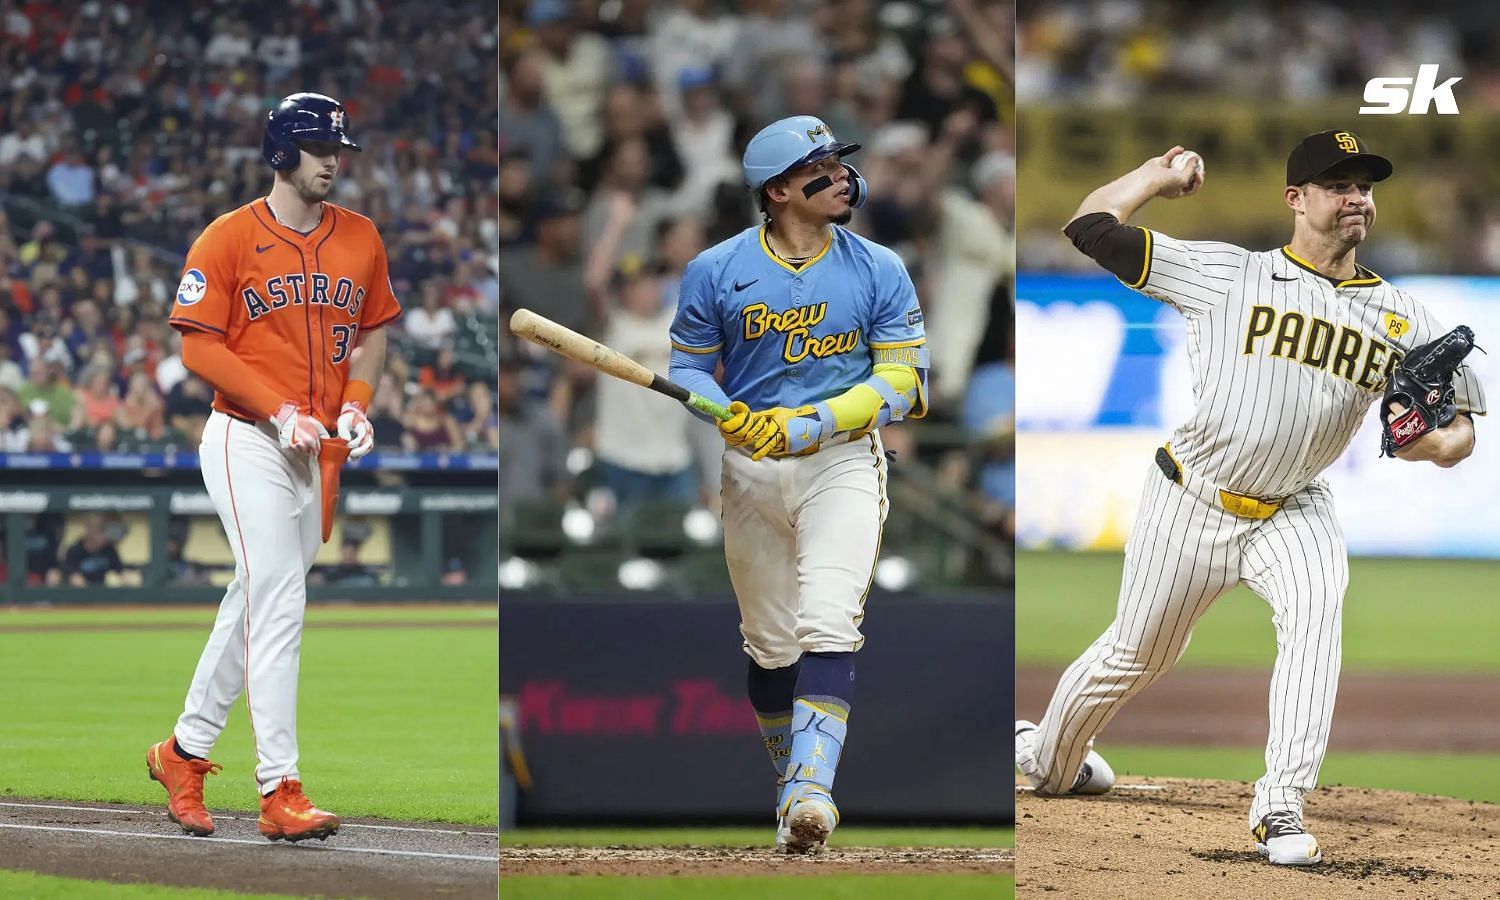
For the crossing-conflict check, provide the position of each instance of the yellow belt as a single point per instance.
(1238, 504)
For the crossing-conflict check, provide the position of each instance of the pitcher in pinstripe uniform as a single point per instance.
(1288, 350)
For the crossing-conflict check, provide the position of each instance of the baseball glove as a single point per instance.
(1423, 383)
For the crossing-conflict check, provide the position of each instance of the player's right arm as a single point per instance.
(201, 314)
(1191, 276)
(697, 342)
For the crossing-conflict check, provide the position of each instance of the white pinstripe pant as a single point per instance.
(1185, 552)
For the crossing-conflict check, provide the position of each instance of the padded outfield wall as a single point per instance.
(1104, 380)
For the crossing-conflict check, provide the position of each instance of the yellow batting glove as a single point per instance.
(742, 427)
(769, 436)
(799, 431)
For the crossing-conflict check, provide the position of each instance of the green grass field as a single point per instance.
(1400, 615)
(395, 722)
(31, 886)
(1413, 615)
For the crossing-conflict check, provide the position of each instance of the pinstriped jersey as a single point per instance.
(1285, 361)
(795, 336)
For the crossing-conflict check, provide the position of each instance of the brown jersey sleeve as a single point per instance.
(206, 292)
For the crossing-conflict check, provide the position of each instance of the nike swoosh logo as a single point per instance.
(260, 249)
(740, 287)
(1279, 278)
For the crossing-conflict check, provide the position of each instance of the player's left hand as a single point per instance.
(354, 426)
(800, 430)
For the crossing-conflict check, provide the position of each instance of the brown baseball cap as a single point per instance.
(1317, 153)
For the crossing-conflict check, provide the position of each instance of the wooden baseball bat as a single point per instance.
(544, 332)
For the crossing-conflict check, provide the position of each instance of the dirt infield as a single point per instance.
(132, 844)
(732, 861)
(1171, 839)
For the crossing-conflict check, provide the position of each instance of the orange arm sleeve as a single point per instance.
(206, 356)
(360, 392)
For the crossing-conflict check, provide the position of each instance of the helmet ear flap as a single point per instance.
(859, 190)
(281, 155)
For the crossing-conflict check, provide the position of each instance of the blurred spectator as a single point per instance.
(688, 35)
(71, 180)
(632, 112)
(11, 377)
(640, 438)
(142, 410)
(49, 387)
(532, 444)
(349, 570)
(548, 277)
(441, 377)
(387, 412)
(428, 427)
(454, 573)
(182, 571)
(529, 129)
(430, 325)
(625, 181)
(12, 422)
(975, 255)
(93, 556)
(938, 88)
(704, 134)
(576, 71)
(187, 408)
(475, 412)
(43, 542)
(99, 401)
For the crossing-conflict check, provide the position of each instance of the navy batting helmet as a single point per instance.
(303, 117)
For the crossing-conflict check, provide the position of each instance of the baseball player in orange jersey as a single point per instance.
(280, 309)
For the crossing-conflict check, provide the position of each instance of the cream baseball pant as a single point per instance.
(268, 501)
(1184, 552)
(801, 537)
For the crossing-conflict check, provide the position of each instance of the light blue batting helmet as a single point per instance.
(786, 144)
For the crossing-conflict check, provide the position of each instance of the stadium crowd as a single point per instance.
(125, 128)
(1272, 58)
(621, 129)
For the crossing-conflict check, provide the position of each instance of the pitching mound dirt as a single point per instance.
(1169, 839)
(750, 861)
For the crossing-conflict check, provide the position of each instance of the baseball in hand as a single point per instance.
(1180, 162)
(1186, 156)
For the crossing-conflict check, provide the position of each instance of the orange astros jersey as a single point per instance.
(291, 306)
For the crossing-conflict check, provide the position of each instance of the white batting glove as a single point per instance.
(354, 426)
(297, 431)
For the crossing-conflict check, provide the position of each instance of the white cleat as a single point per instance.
(1095, 777)
(1281, 839)
(805, 829)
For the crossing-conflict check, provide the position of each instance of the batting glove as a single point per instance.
(800, 430)
(354, 426)
(298, 431)
(751, 431)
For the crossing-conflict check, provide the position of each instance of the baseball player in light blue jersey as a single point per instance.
(821, 341)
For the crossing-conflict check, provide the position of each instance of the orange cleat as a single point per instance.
(183, 779)
(287, 815)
